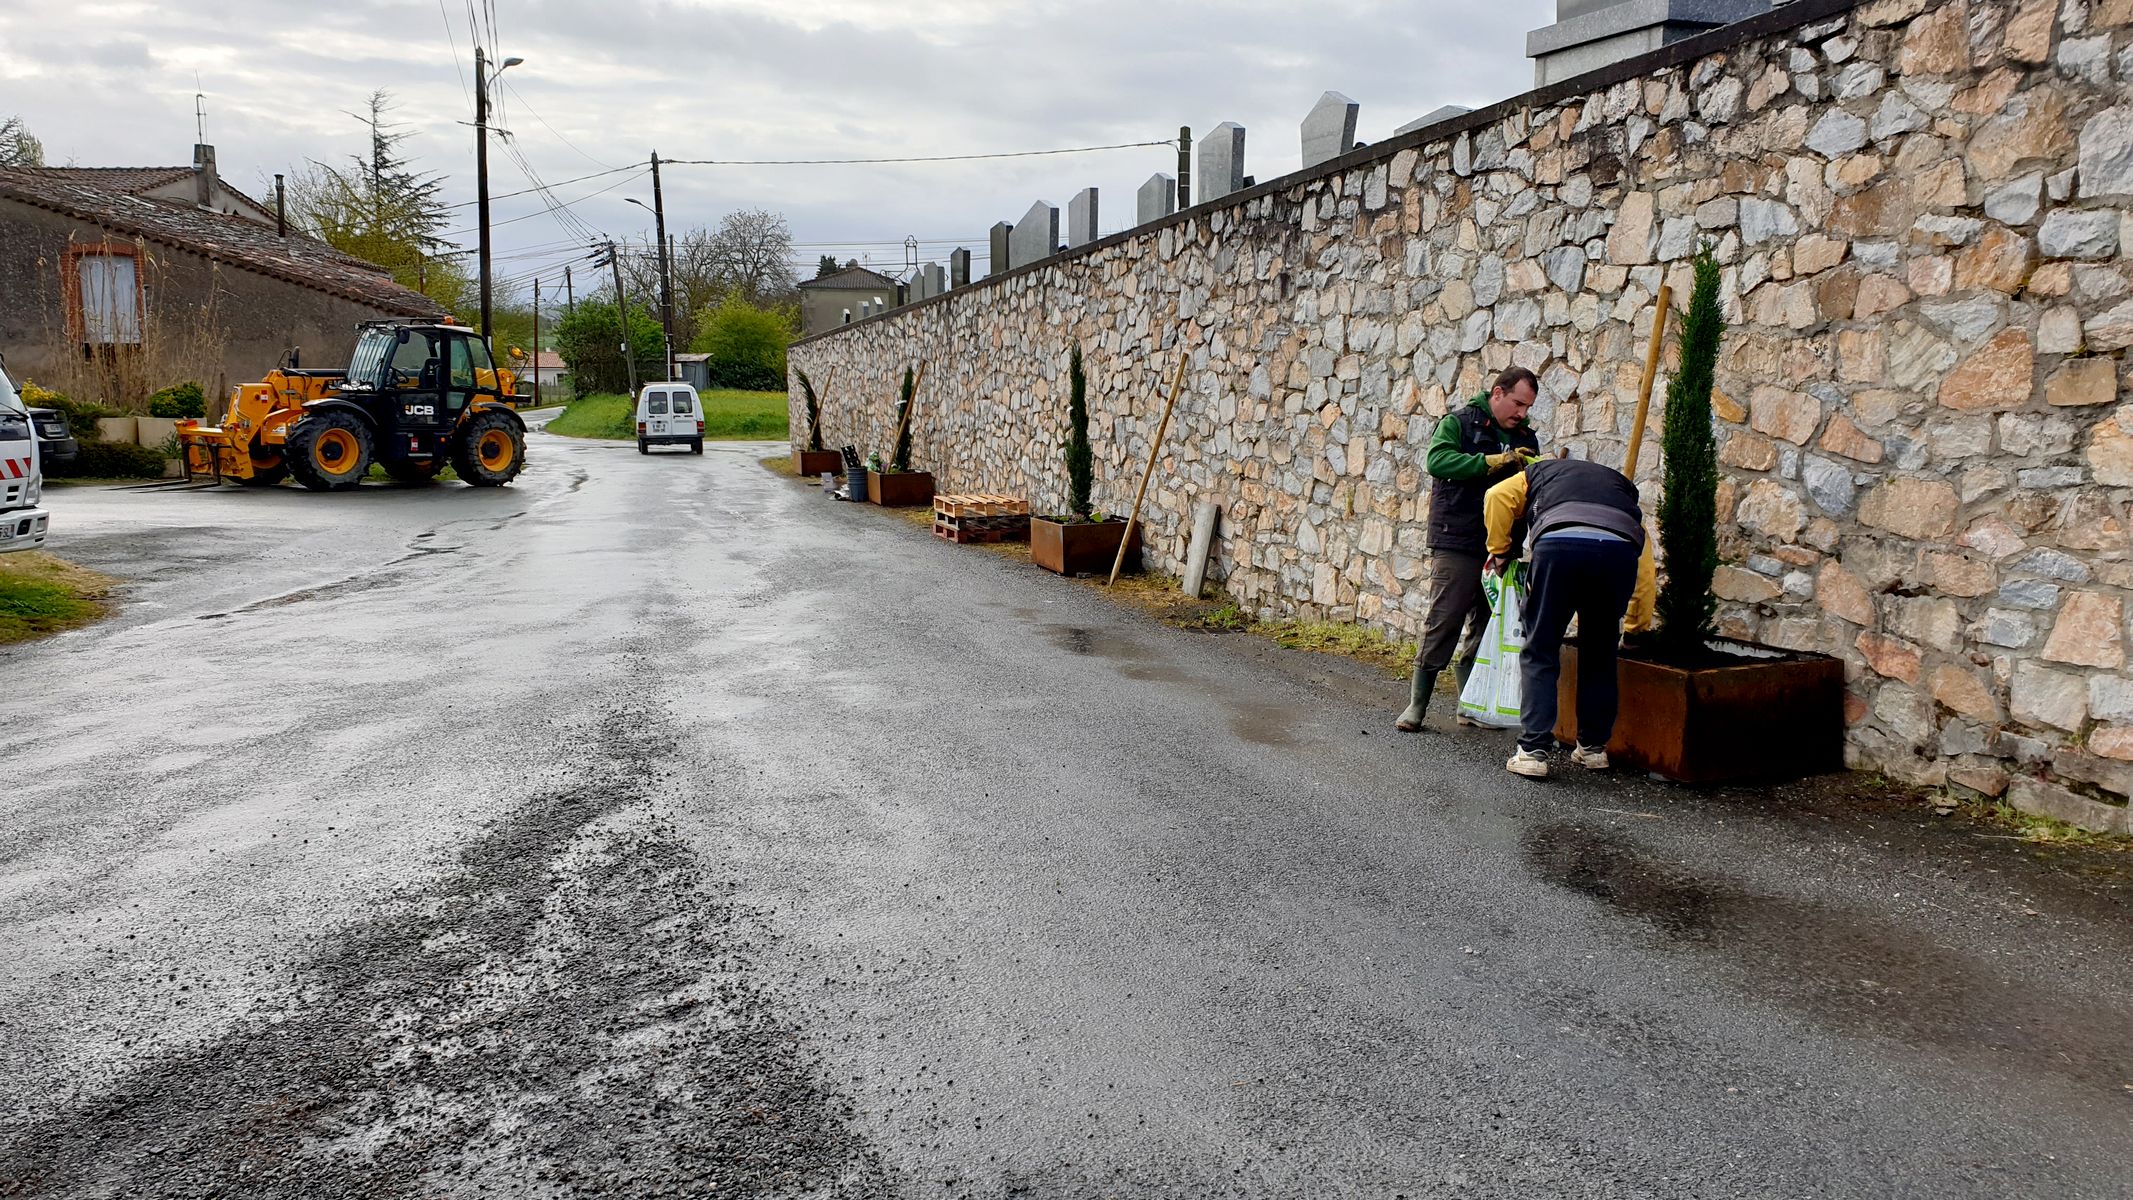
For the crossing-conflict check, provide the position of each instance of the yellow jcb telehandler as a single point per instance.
(413, 397)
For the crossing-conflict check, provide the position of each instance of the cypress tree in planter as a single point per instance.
(899, 486)
(1079, 540)
(1696, 708)
(814, 460)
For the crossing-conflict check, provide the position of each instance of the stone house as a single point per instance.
(846, 295)
(1922, 211)
(142, 272)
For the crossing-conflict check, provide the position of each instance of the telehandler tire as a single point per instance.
(328, 451)
(489, 451)
(267, 470)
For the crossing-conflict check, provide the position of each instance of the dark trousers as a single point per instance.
(1455, 601)
(1591, 580)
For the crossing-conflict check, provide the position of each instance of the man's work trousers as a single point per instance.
(1455, 600)
(1592, 579)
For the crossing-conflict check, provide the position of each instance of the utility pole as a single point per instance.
(481, 175)
(536, 341)
(570, 299)
(666, 267)
(1184, 167)
(622, 309)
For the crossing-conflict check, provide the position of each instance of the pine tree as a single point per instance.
(1080, 461)
(1688, 511)
(901, 461)
(814, 411)
(827, 265)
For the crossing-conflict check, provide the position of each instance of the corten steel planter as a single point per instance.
(900, 489)
(1760, 718)
(812, 463)
(1080, 549)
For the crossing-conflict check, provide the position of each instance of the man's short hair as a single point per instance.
(1514, 376)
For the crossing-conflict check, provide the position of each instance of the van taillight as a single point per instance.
(640, 427)
(699, 427)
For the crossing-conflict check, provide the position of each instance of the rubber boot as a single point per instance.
(1419, 688)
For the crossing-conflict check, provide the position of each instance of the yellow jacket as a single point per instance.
(1506, 503)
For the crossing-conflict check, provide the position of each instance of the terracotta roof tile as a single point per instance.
(106, 196)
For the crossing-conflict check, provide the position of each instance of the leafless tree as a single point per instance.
(749, 253)
(752, 250)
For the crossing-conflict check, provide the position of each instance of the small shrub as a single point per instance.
(901, 460)
(113, 460)
(1080, 460)
(1688, 506)
(814, 411)
(179, 400)
(81, 415)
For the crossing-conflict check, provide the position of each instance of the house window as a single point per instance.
(110, 290)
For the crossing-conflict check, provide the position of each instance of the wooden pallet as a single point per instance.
(978, 504)
(966, 530)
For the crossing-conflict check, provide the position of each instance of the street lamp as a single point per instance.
(481, 168)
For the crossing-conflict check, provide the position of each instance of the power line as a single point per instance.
(558, 133)
(816, 162)
(564, 183)
(453, 38)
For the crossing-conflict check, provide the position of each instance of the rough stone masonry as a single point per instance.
(1923, 212)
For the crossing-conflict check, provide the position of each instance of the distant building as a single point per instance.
(831, 300)
(117, 266)
(694, 370)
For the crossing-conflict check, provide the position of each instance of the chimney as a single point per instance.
(204, 175)
(281, 209)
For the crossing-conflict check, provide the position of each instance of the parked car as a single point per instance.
(23, 522)
(55, 442)
(668, 414)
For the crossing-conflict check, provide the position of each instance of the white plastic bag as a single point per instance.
(1491, 692)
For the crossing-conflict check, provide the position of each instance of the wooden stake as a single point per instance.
(1644, 389)
(904, 421)
(1155, 449)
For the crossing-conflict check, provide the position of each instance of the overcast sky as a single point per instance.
(605, 84)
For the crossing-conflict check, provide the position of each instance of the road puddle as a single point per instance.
(1854, 969)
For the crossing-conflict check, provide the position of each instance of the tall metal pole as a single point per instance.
(622, 309)
(481, 175)
(536, 341)
(666, 267)
(1184, 167)
(570, 297)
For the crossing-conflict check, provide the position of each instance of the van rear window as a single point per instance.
(656, 404)
(682, 403)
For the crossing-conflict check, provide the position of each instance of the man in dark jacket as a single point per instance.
(1473, 446)
(1591, 560)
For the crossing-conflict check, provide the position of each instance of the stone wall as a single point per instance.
(1921, 209)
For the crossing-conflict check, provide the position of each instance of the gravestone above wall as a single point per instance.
(1221, 161)
(936, 279)
(1590, 34)
(1081, 218)
(1002, 249)
(1158, 198)
(1035, 236)
(959, 268)
(1329, 129)
(1435, 115)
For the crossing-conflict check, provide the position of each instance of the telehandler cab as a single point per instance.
(414, 396)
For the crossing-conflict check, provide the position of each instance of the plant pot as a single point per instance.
(121, 430)
(1768, 715)
(810, 464)
(154, 431)
(900, 489)
(1082, 548)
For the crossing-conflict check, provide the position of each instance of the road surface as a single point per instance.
(656, 826)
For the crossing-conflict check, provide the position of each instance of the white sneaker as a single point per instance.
(1527, 763)
(1592, 758)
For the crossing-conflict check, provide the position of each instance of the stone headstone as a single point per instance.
(1003, 236)
(1590, 34)
(936, 280)
(1435, 115)
(959, 268)
(915, 290)
(1081, 218)
(1158, 198)
(1329, 129)
(1221, 161)
(1036, 235)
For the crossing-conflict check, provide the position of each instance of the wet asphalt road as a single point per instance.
(658, 827)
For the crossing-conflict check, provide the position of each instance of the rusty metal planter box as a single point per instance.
(1080, 549)
(810, 464)
(1764, 718)
(900, 489)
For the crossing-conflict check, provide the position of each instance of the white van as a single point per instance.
(668, 414)
(22, 521)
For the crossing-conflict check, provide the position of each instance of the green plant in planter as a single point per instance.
(179, 400)
(1688, 510)
(814, 411)
(1080, 460)
(901, 460)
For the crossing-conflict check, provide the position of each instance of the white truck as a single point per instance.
(22, 519)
